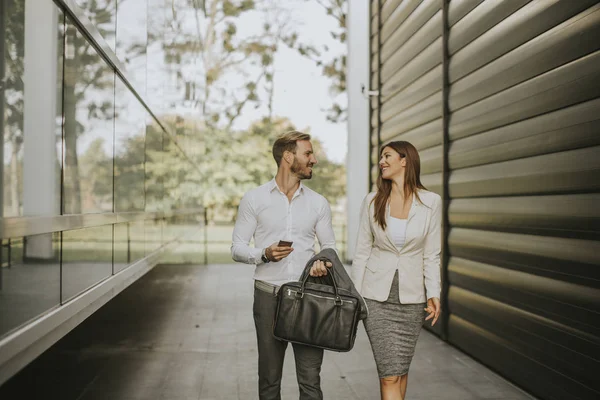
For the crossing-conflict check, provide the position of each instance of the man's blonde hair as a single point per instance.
(287, 142)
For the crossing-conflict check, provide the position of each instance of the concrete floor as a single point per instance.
(186, 333)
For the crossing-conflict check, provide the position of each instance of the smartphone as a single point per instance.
(284, 243)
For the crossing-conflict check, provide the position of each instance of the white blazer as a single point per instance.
(418, 262)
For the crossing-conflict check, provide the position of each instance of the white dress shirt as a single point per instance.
(268, 215)
(398, 231)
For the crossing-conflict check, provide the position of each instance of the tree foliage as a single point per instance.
(332, 66)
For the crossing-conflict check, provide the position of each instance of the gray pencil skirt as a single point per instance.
(393, 329)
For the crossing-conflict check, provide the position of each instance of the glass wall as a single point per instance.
(91, 108)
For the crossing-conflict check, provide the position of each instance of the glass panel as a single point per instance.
(86, 258)
(129, 151)
(88, 131)
(154, 170)
(132, 39)
(156, 70)
(122, 249)
(153, 235)
(28, 286)
(103, 15)
(137, 237)
(30, 108)
(129, 243)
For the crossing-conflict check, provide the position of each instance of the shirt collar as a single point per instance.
(273, 185)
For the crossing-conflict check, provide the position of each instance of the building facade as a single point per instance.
(92, 101)
(502, 99)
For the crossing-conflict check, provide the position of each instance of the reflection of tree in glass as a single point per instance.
(87, 75)
(13, 36)
(85, 72)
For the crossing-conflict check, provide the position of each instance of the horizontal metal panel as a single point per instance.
(566, 129)
(575, 215)
(423, 26)
(374, 140)
(564, 86)
(374, 8)
(428, 59)
(571, 305)
(374, 65)
(416, 45)
(531, 21)
(374, 83)
(566, 42)
(499, 354)
(374, 26)
(28, 226)
(457, 9)
(374, 101)
(534, 336)
(433, 182)
(374, 156)
(388, 7)
(432, 160)
(569, 138)
(419, 114)
(394, 17)
(374, 136)
(374, 47)
(570, 171)
(418, 90)
(479, 21)
(374, 174)
(572, 260)
(424, 136)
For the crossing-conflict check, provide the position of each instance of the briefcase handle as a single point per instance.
(338, 299)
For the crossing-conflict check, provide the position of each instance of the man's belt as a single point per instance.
(266, 287)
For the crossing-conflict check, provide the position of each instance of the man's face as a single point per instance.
(304, 159)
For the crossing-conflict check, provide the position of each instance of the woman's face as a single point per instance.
(391, 164)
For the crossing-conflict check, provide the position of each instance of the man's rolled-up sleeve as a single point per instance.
(245, 225)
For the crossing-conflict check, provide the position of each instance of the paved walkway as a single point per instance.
(186, 333)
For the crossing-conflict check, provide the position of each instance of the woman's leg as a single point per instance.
(403, 384)
(390, 388)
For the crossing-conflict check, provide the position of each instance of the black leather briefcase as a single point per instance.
(317, 314)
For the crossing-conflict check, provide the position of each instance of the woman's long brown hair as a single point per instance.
(412, 179)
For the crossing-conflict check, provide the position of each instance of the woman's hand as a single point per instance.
(434, 309)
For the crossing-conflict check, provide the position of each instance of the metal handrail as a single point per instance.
(27, 226)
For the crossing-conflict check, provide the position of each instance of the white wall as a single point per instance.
(358, 115)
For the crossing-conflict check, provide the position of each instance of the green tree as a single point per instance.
(235, 69)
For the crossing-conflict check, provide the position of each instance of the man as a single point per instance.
(283, 209)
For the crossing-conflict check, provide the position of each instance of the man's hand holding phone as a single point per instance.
(279, 251)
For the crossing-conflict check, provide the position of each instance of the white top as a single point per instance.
(266, 214)
(398, 231)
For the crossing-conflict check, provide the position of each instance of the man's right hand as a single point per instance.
(277, 253)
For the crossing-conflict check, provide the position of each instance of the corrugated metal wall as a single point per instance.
(513, 111)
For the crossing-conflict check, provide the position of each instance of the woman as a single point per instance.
(396, 267)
